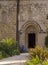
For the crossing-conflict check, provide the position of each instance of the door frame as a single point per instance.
(26, 39)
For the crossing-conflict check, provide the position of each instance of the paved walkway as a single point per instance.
(15, 60)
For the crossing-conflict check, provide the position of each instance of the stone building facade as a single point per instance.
(33, 23)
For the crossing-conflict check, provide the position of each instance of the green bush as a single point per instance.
(45, 62)
(9, 48)
(1, 56)
(29, 63)
(46, 41)
(34, 61)
(38, 56)
(39, 52)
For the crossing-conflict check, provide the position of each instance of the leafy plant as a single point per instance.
(45, 62)
(8, 42)
(38, 56)
(38, 52)
(33, 61)
(1, 56)
(29, 63)
(9, 48)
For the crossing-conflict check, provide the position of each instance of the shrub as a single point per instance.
(45, 62)
(34, 61)
(38, 56)
(9, 48)
(29, 63)
(1, 56)
(39, 52)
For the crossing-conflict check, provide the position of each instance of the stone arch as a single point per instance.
(29, 27)
(32, 23)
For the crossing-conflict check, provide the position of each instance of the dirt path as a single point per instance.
(15, 60)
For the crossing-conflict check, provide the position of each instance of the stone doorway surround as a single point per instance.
(29, 27)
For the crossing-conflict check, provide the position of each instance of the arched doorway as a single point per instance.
(29, 34)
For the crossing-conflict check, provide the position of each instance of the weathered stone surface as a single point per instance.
(32, 17)
(7, 19)
(34, 11)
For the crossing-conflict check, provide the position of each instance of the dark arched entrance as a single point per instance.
(31, 40)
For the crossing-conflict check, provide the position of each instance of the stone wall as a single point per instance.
(30, 11)
(36, 10)
(8, 19)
